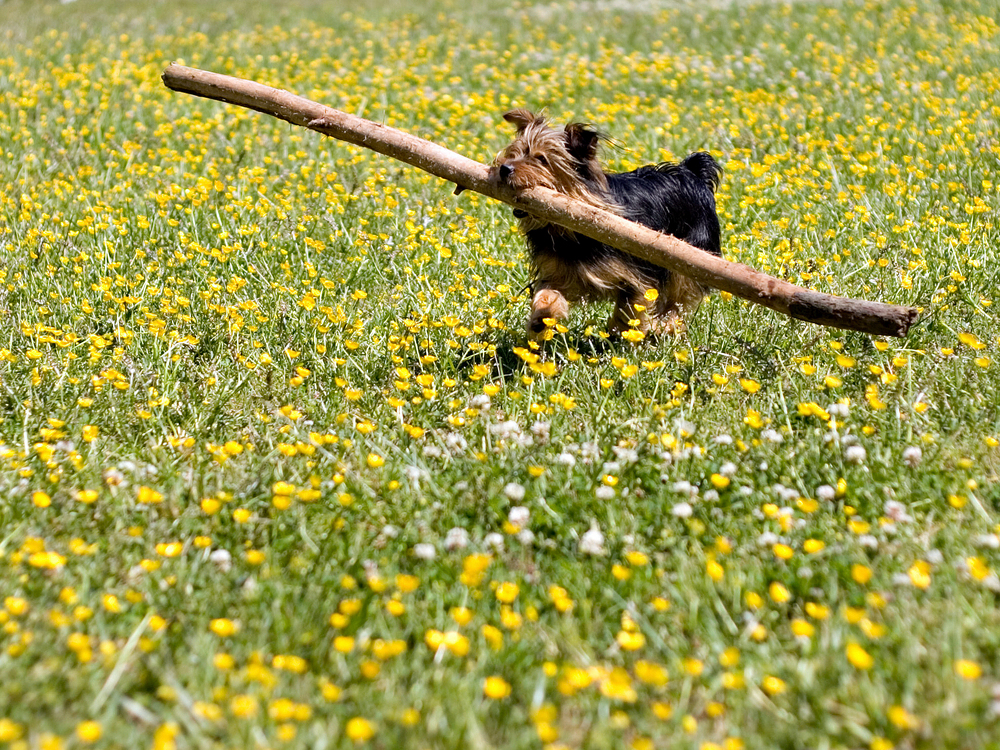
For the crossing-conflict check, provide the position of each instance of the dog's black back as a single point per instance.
(677, 199)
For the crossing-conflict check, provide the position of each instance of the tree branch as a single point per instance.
(660, 249)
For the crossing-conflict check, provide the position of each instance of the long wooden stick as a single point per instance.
(660, 249)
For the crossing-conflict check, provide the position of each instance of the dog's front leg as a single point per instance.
(548, 307)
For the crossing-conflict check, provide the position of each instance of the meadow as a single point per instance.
(280, 470)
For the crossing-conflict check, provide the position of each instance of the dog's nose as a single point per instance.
(506, 170)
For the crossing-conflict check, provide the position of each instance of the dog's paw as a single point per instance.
(548, 307)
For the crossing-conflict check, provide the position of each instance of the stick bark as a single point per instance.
(875, 318)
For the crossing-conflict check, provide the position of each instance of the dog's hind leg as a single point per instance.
(630, 314)
(681, 296)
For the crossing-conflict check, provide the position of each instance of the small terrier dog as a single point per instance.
(677, 199)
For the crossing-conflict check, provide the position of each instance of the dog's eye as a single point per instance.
(542, 160)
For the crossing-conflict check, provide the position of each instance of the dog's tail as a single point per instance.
(704, 168)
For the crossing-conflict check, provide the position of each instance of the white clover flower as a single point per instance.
(896, 512)
(855, 454)
(711, 496)
(592, 541)
(987, 541)
(518, 516)
(685, 427)
(826, 492)
(514, 491)
(566, 459)
(868, 541)
(839, 410)
(390, 531)
(728, 469)
(722, 440)
(416, 475)
(767, 539)
(912, 456)
(456, 538)
(625, 455)
(604, 492)
(455, 442)
(541, 431)
(682, 510)
(526, 537)
(772, 436)
(480, 402)
(494, 540)
(424, 551)
(590, 452)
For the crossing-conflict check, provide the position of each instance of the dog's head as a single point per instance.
(562, 160)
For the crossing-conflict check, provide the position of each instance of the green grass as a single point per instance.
(243, 369)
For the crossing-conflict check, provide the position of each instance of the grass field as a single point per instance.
(278, 470)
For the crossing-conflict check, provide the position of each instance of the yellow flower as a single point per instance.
(967, 669)
(817, 611)
(650, 673)
(778, 592)
(902, 718)
(496, 688)
(10, 731)
(858, 657)
(715, 570)
(243, 706)
(783, 551)
(773, 685)
(920, 574)
(803, 628)
(88, 732)
(631, 641)
(971, 340)
(748, 385)
(507, 592)
(813, 546)
(223, 627)
(693, 667)
(49, 560)
(375, 461)
(148, 496)
(861, 573)
(90, 433)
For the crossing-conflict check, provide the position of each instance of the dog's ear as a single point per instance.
(582, 141)
(521, 118)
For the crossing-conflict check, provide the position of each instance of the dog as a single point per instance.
(677, 199)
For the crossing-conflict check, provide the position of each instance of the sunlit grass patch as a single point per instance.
(281, 469)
